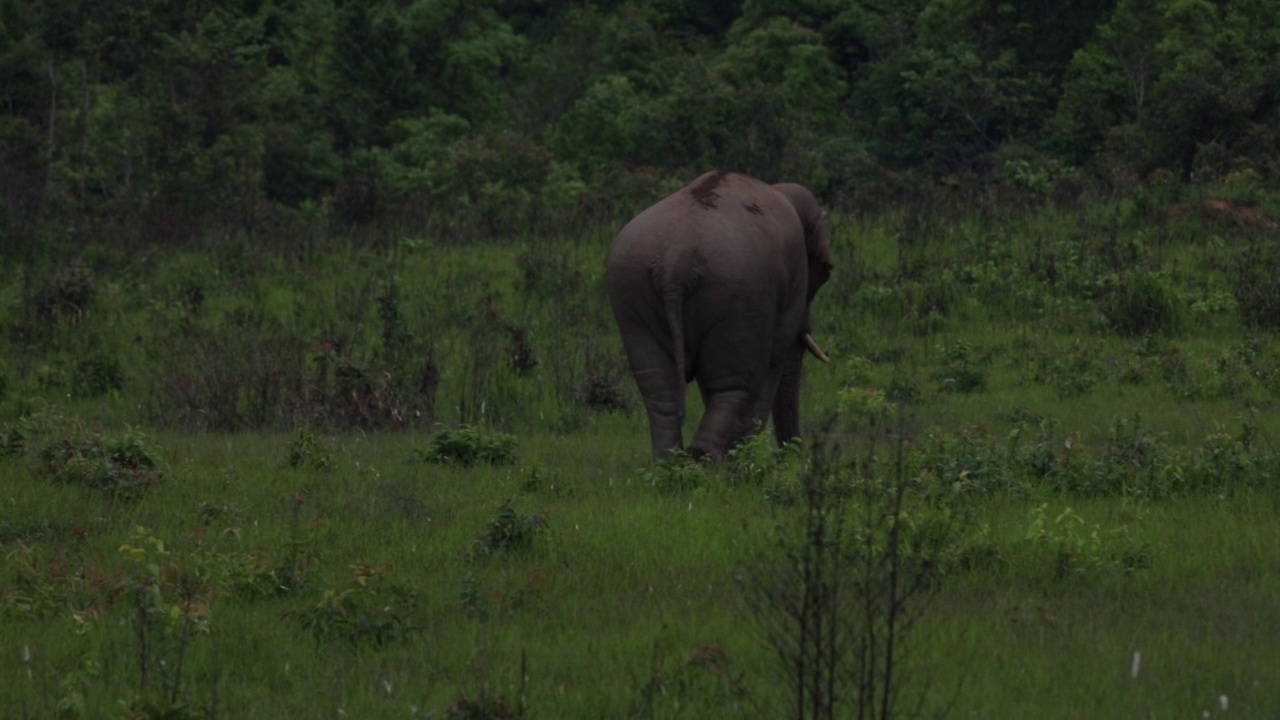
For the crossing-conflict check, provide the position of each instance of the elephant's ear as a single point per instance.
(819, 246)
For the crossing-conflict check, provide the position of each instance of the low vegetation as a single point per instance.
(1040, 479)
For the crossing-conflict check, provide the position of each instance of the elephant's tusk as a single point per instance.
(812, 346)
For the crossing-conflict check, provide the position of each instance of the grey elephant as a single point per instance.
(714, 283)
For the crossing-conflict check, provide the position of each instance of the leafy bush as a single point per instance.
(96, 376)
(308, 450)
(70, 453)
(68, 294)
(372, 611)
(1070, 547)
(1071, 373)
(707, 677)
(467, 446)
(963, 372)
(510, 533)
(678, 473)
(1139, 302)
(757, 462)
(1255, 280)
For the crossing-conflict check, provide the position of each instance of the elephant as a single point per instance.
(714, 283)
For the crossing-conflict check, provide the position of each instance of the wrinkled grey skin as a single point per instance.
(714, 284)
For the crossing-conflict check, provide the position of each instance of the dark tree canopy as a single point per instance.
(160, 119)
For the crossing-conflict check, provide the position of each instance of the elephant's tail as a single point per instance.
(673, 300)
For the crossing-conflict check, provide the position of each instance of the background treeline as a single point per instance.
(128, 121)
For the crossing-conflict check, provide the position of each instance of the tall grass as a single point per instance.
(1087, 393)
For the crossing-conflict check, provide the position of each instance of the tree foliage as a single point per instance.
(148, 121)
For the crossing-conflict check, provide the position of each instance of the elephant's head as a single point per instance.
(817, 240)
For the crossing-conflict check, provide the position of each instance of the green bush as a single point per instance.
(1255, 278)
(677, 474)
(1139, 302)
(69, 452)
(510, 533)
(308, 450)
(96, 376)
(372, 611)
(467, 446)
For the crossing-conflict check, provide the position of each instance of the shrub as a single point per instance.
(603, 389)
(510, 533)
(371, 611)
(1072, 373)
(69, 453)
(1071, 547)
(962, 371)
(467, 446)
(678, 473)
(705, 679)
(1138, 302)
(1255, 280)
(96, 376)
(758, 463)
(68, 294)
(122, 466)
(308, 450)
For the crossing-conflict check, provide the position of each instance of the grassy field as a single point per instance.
(226, 490)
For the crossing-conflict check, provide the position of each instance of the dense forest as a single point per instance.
(142, 121)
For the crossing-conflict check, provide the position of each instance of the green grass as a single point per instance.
(1111, 494)
(628, 583)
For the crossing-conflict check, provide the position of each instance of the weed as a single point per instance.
(306, 450)
(603, 389)
(537, 478)
(517, 592)
(1070, 547)
(26, 530)
(70, 453)
(1222, 461)
(173, 595)
(1255, 279)
(43, 582)
(705, 678)
(1138, 302)
(964, 465)
(482, 707)
(678, 473)
(95, 376)
(371, 611)
(467, 446)
(300, 552)
(472, 597)
(962, 371)
(522, 357)
(68, 294)
(838, 594)
(395, 336)
(123, 467)
(757, 462)
(72, 686)
(1073, 373)
(510, 533)
(861, 407)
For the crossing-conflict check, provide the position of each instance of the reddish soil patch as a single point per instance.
(1225, 209)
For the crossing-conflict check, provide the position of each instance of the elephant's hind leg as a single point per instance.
(733, 376)
(662, 391)
(722, 422)
(665, 408)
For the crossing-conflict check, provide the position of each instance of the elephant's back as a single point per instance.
(720, 221)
